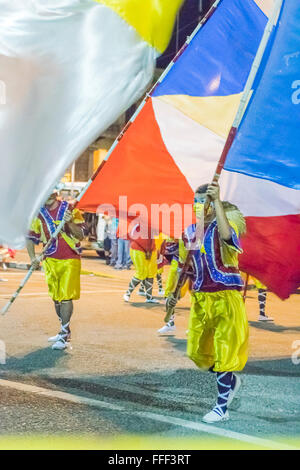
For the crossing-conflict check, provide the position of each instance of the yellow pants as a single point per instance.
(218, 331)
(145, 268)
(63, 278)
(172, 281)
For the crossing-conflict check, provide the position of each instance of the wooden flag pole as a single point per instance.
(246, 287)
(231, 136)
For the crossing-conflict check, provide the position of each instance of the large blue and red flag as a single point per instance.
(263, 166)
(174, 144)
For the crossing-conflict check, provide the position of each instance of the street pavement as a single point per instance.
(121, 379)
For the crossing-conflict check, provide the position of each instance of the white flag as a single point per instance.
(68, 69)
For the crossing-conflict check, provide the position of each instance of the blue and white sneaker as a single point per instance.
(216, 415)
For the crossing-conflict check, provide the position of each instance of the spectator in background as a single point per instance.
(114, 241)
(123, 259)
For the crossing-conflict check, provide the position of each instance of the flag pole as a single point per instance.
(117, 140)
(246, 287)
(233, 131)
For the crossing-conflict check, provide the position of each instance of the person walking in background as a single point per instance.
(144, 257)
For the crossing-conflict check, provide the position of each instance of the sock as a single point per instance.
(262, 297)
(66, 311)
(149, 287)
(159, 281)
(224, 383)
(132, 285)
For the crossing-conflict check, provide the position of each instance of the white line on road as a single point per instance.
(195, 426)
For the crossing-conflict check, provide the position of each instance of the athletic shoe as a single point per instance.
(233, 391)
(152, 301)
(265, 318)
(117, 266)
(167, 329)
(54, 339)
(60, 345)
(216, 415)
(161, 292)
(126, 297)
(142, 293)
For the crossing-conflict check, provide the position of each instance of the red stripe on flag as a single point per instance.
(272, 252)
(140, 168)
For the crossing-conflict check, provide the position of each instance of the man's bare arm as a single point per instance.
(224, 228)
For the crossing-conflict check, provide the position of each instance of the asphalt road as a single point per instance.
(122, 384)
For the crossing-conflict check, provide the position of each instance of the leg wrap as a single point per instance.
(149, 287)
(224, 383)
(159, 281)
(262, 297)
(66, 311)
(142, 289)
(133, 284)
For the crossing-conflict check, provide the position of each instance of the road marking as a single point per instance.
(195, 426)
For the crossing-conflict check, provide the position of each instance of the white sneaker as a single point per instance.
(161, 292)
(216, 415)
(60, 345)
(166, 329)
(152, 301)
(55, 338)
(126, 297)
(265, 318)
(234, 391)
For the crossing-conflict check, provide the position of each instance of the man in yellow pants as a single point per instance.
(218, 327)
(62, 264)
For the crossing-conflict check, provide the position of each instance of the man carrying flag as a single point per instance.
(62, 264)
(218, 327)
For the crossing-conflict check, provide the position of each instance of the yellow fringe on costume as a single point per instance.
(218, 331)
(144, 268)
(63, 278)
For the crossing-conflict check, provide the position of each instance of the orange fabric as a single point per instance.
(140, 168)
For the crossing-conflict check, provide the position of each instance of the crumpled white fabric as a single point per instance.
(68, 69)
